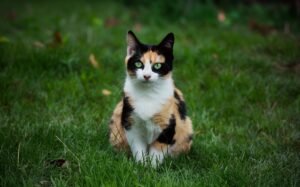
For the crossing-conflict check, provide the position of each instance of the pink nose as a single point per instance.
(147, 77)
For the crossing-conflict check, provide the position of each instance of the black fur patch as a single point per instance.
(167, 66)
(166, 136)
(131, 63)
(164, 70)
(181, 106)
(139, 51)
(126, 111)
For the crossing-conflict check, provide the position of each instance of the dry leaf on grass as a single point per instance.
(263, 29)
(93, 61)
(106, 92)
(215, 56)
(38, 44)
(57, 39)
(111, 22)
(221, 16)
(137, 27)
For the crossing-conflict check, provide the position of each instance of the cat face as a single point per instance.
(149, 63)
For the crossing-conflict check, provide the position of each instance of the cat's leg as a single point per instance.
(157, 153)
(137, 144)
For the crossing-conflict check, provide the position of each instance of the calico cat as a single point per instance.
(151, 119)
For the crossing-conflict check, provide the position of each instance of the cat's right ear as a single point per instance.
(132, 43)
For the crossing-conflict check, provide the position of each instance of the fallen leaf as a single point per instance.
(111, 22)
(93, 61)
(57, 38)
(137, 27)
(221, 16)
(106, 92)
(38, 44)
(263, 29)
(215, 56)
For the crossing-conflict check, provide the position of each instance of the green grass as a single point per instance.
(245, 111)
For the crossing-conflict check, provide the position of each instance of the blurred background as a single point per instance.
(62, 71)
(37, 20)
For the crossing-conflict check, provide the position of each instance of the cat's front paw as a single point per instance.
(156, 157)
(140, 157)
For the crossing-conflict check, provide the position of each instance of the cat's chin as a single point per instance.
(144, 83)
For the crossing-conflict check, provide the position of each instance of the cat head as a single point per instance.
(149, 63)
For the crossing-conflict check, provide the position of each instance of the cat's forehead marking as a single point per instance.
(152, 57)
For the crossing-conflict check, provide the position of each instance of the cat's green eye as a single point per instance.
(157, 66)
(138, 64)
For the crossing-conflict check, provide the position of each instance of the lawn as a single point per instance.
(241, 84)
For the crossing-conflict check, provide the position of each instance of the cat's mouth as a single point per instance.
(146, 81)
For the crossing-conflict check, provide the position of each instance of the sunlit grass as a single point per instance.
(245, 111)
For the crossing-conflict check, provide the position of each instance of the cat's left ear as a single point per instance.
(168, 41)
(132, 43)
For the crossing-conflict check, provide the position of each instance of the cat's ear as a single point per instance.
(168, 41)
(132, 43)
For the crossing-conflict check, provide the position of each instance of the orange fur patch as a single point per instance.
(159, 146)
(152, 57)
(117, 136)
(182, 136)
(162, 118)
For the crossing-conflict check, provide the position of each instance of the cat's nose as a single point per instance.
(147, 77)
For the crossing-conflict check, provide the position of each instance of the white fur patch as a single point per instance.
(148, 97)
(137, 143)
(141, 134)
(157, 156)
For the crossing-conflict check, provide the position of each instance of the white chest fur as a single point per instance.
(146, 130)
(148, 98)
